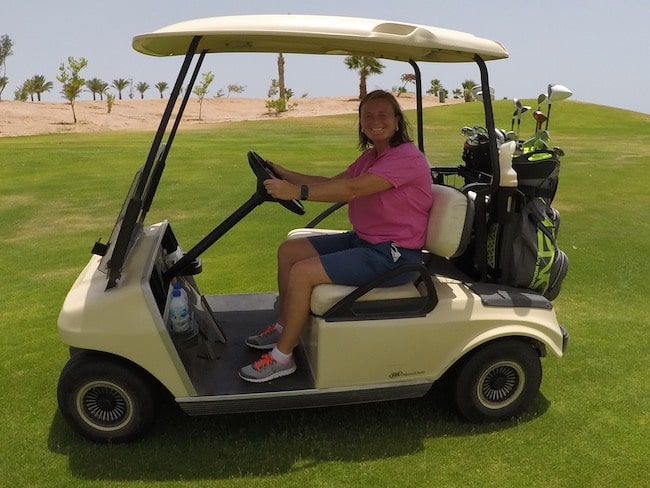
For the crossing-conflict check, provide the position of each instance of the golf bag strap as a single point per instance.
(480, 250)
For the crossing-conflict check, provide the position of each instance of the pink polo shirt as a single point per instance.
(399, 214)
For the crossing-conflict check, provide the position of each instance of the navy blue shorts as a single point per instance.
(350, 260)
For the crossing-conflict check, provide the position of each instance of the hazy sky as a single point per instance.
(597, 48)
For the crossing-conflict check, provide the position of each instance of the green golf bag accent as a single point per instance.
(524, 252)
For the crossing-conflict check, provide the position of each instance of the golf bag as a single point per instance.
(476, 154)
(522, 250)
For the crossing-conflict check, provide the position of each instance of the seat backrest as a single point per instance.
(450, 222)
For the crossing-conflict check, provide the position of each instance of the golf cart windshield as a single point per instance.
(297, 34)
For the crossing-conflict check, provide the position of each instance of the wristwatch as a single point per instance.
(304, 192)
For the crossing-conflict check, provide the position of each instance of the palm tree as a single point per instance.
(120, 84)
(281, 87)
(142, 87)
(28, 88)
(39, 85)
(95, 85)
(161, 86)
(436, 86)
(467, 90)
(365, 66)
(3, 83)
(6, 45)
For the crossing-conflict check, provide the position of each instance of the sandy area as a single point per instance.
(29, 118)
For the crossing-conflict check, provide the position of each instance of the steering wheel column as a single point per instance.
(263, 172)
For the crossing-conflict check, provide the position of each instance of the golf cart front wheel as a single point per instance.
(106, 400)
(498, 381)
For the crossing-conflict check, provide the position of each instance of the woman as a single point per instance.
(388, 189)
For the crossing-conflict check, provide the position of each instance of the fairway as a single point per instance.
(589, 427)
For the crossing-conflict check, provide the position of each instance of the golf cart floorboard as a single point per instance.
(239, 316)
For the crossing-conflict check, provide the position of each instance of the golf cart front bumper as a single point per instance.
(565, 338)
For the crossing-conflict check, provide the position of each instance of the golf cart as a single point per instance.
(485, 337)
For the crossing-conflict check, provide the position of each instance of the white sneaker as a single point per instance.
(266, 369)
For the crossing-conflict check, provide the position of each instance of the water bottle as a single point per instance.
(507, 175)
(178, 309)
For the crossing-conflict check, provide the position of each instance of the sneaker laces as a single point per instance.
(264, 362)
(268, 331)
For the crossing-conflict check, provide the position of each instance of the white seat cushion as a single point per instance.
(323, 297)
(450, 222)
(309, 232)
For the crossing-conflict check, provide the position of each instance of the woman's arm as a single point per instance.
(295, 177)
(340, 188)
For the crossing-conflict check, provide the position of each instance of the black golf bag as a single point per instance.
(519, 248)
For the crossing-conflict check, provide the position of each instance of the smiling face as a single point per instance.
(378, 122)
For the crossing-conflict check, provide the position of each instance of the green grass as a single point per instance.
(588, 427)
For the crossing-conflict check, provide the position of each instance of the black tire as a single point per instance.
(74, 350)
(105, 399)
(497, 381)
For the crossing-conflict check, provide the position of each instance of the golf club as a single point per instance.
(555, 94)
(522, 109)
(519, 109)
(515, 113)
(539, 117)
(478, 93)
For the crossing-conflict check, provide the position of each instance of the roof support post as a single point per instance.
(418, 101)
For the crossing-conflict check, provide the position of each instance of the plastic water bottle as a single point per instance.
(507, 175)
(178, 309)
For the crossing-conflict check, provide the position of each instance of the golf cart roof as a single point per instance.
(314, 34)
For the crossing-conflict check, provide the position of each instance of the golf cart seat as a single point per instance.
(448, 234)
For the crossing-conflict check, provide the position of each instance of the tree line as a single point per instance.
(73, 83)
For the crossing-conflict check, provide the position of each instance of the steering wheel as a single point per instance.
(263, 172)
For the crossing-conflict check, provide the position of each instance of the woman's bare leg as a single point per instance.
(290, 252)
(301, 279)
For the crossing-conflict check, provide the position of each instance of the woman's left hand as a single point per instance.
(281, 189)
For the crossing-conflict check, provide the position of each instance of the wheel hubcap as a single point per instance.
(500, 385)
(104, 406)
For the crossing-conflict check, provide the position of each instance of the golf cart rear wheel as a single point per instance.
(106, 400)
(498, 381)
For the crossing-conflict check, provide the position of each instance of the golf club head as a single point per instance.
(500, 135)
(541, 98)
(478, 93)
(557, 93)
(539, 142)
(467, 131)
(520, 110)
(540, 118)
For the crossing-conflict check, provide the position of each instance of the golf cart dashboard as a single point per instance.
(165, 255)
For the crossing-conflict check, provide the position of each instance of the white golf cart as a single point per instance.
(486, 338)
